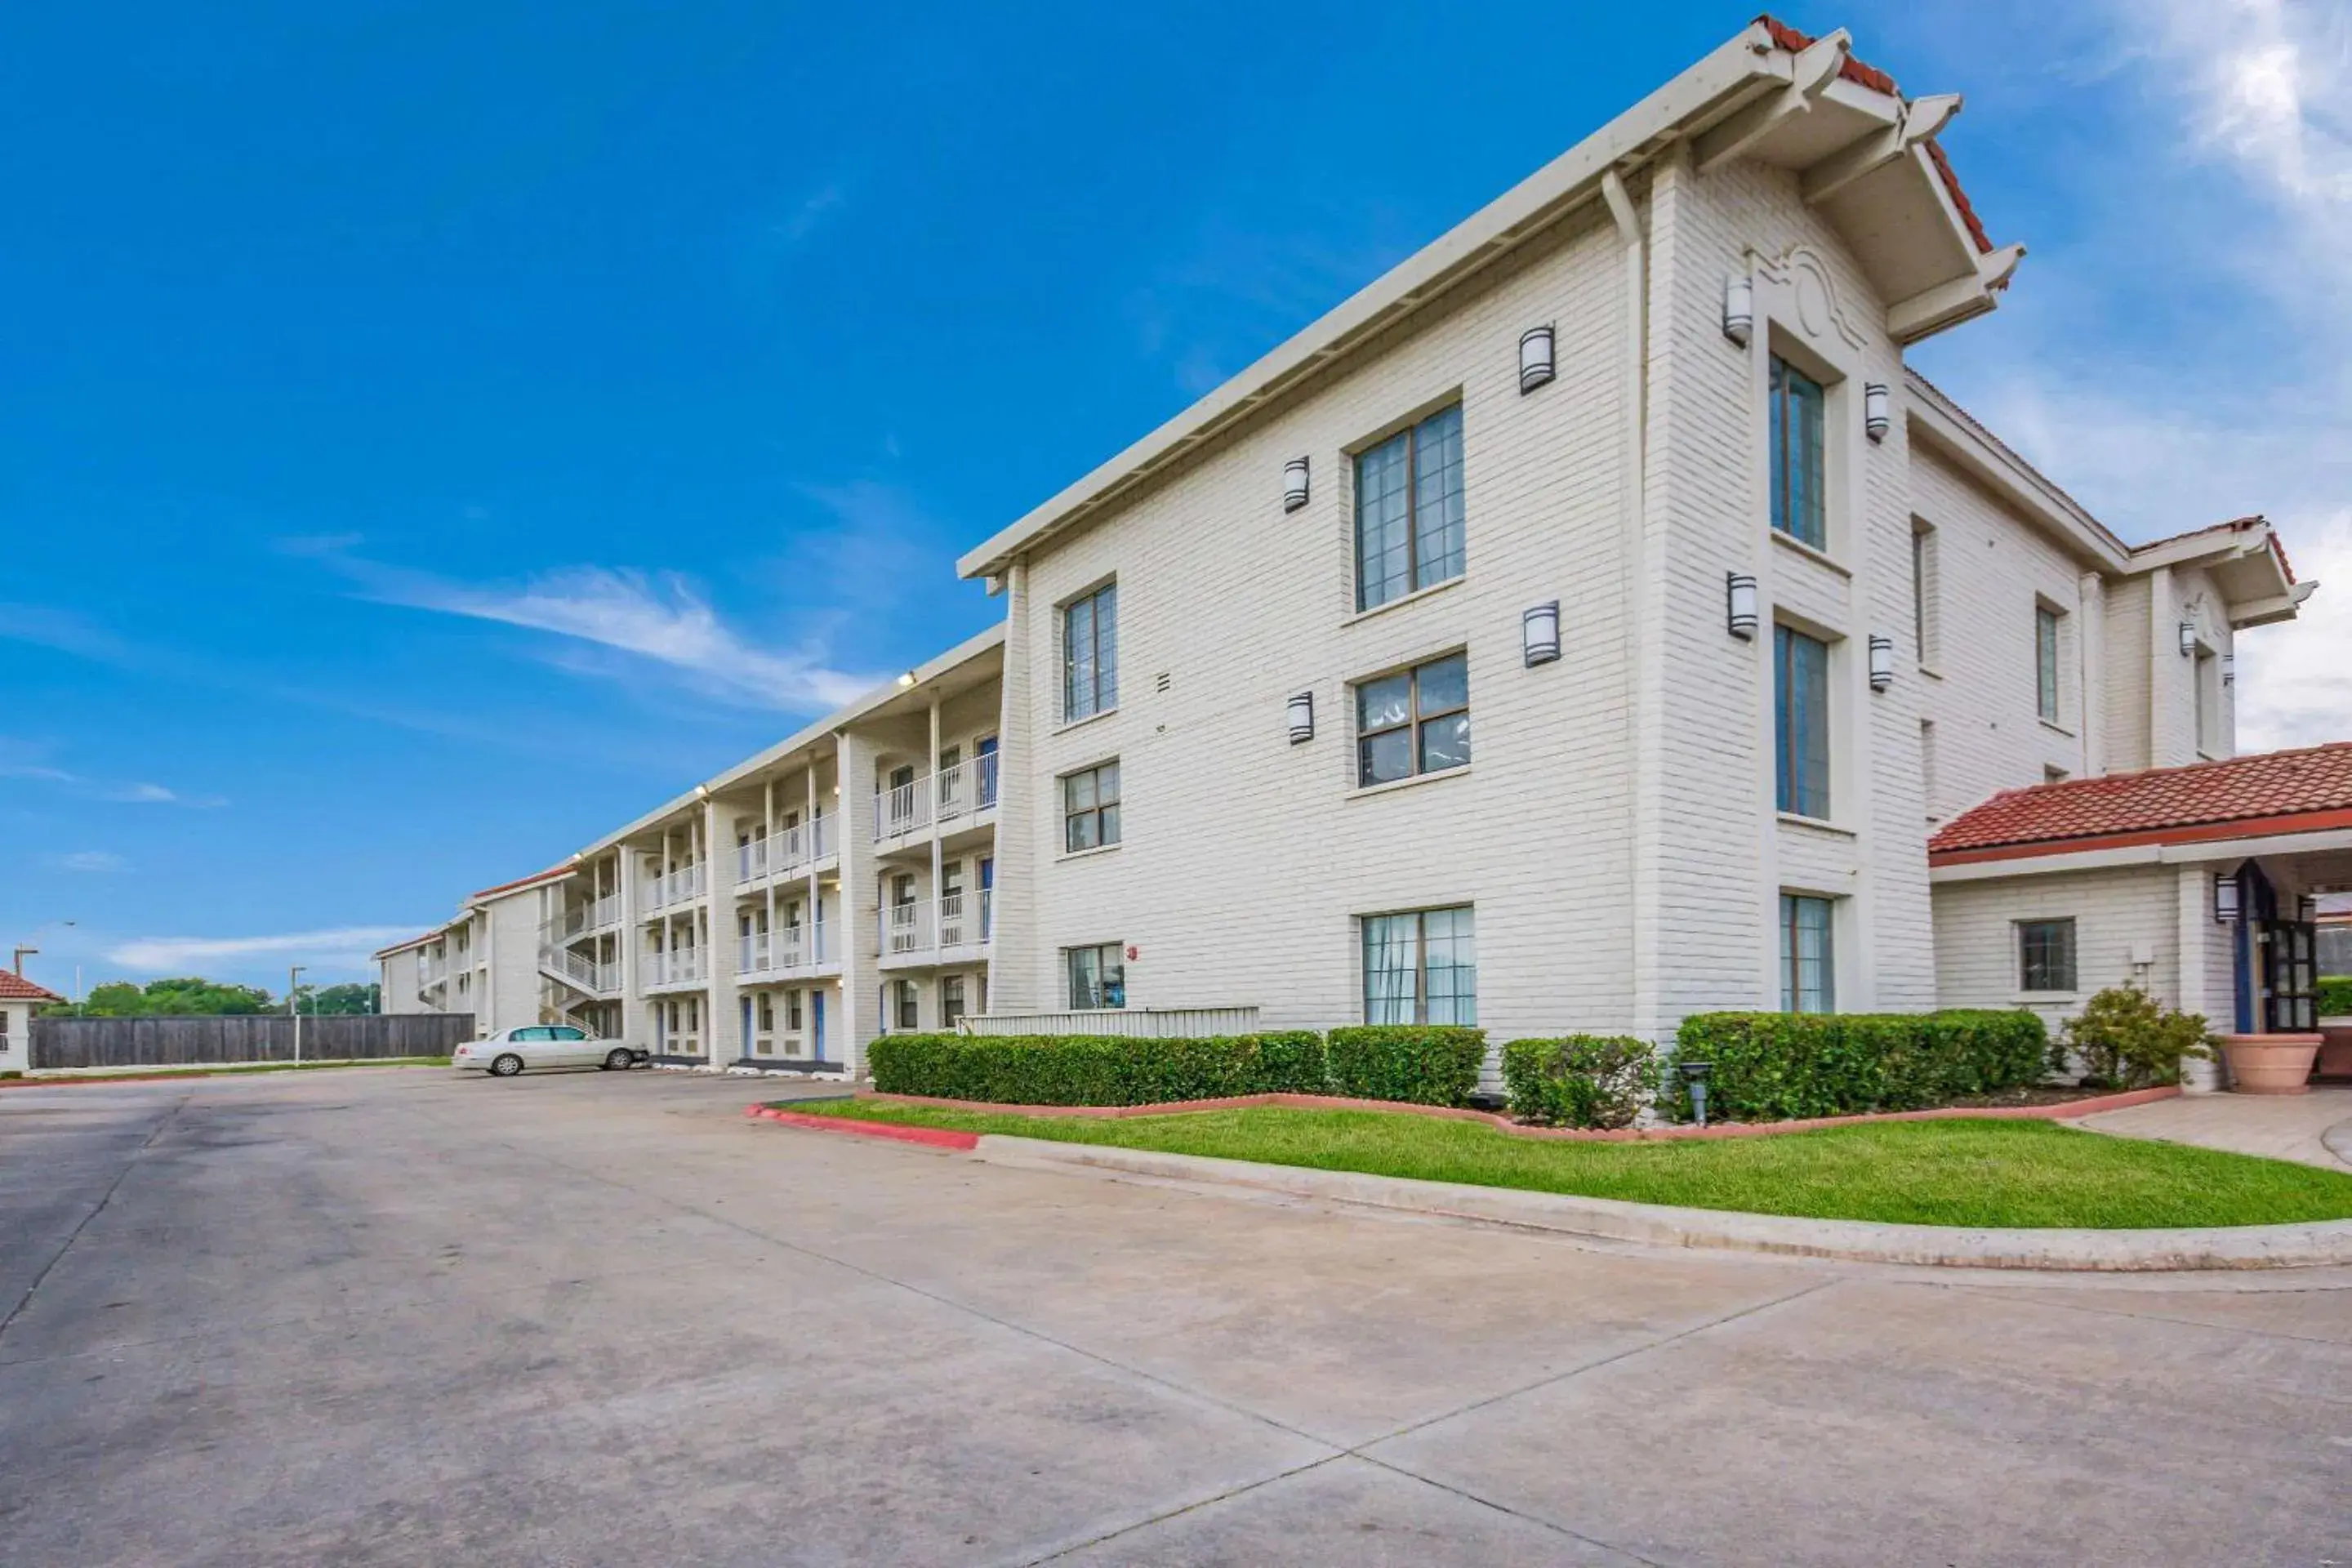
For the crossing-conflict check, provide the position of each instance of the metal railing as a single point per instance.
(582, 971)
(1142, 1022)
(785, 851)
(961, 790)
(904, 930)
(958, 920)
(679, 887)
(582, 919)
(787, 947)
(679, 966)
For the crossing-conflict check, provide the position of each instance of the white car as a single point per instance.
(509, 1051)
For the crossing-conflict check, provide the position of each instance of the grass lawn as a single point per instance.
(1964, 1172)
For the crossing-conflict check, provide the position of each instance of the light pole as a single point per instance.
(294, 1005)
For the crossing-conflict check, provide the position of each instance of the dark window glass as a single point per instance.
(1090, 808)
(1417, 721)
(1799, 507)
(1409, 511)
(1800, 722)
(1808, 967)
(1090, 654)
(2046, 955)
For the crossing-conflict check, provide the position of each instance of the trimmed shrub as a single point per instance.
(1583, 1080)
(1777, 1066)
(1422, 1064)
(2122, 1039)
(1094, 1069)
(2334, 995)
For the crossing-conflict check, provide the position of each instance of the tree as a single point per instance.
(331, 1000)
(181, 996)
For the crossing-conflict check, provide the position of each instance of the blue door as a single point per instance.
(816, 1023)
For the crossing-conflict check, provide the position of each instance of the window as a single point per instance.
(1409, 510)
(1097, 977)
(1090, 654)
(906, 1006)
(1420, 967)
(2046, 955)
(1808, 965)
(1090, 808)
(1927, 764)
(1415, 722)
(1800, 721)
(951, 1000)
(2045, 662)
(1799, 507)
(793, 1011)
(1926, 629)
(566, 1032)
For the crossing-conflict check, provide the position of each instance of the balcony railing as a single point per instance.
(787, 947)
(785, 851)
(948, 796)
(681, 966)
(580, 920)
(959, 919)
(587, 973)
(679, 887)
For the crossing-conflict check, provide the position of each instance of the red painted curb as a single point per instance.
(934, 1137)
(2063, 1110)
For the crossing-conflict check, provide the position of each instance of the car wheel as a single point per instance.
(616, 1060)
(505, 1065)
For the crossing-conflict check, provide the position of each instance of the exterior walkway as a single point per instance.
(2315, 1128)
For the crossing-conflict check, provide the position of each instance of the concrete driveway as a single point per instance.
(390, 1316)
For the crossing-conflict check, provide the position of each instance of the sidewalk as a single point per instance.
(2280, 1126)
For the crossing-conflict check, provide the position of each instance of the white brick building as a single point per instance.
(1586, 623)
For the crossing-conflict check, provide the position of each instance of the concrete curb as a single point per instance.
(2309, 1245)
(934, 1137)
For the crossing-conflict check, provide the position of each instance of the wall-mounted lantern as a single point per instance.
(1302, 717)
(2189, 640)
(1882, 662)
(1540, 633)
(1294, 484)
(2229, 669)
(1738, 309)
(2225, 897)
(1739, 605)
(1535, 358)
(1876, 419)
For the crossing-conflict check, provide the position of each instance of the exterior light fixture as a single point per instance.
(1694, 1075)
(1540, 633)
(1875, 418)
(1535, 358)
(1294, 484)
(1738, 309)
(908, 678)
(2188, 640)
(1739, 605)
(1882, 662)
(1302, 717)
(2225, 897)
(2229, 669)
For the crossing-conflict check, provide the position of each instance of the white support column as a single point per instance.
(938, 862)
(814, 908)
(1013, 985)
(2090, 645)
(859, 907)
(2197, 931)
(725, 1020)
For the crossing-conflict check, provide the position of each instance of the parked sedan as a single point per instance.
(509, 1051)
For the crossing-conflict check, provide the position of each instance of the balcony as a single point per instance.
(781, 952)
(683, 886)
(953, 797)
(953, 930)
(681, 966)
(580, 973)
(785, 852)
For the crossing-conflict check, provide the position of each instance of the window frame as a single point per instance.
(1109, 957)
(2070, 950)
(1415, 722)
(1783, 493)
(1107, 817)
(952, 1009)
(1792, 961)
(1452, 535)
(1103, 652)
(1792, 770)
(2049, 663)
(1369, 938)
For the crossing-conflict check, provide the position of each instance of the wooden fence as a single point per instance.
(245, 1038)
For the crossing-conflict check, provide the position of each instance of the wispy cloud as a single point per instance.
(658, 617)
(93, 861)
(343, 948)
(24, 760)
(46, 625)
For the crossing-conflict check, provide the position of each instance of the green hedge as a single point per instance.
(2334, 995)
(1423, 1064)
(1583, 1080)
(1094, 1069)
(1770, 1066)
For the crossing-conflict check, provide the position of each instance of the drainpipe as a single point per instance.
(1641, 686)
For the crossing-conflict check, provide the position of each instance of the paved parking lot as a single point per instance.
(391, 1316)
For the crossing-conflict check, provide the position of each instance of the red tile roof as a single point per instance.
(2235, 525)
(383, 952)
(2271, 792)
(15, 987)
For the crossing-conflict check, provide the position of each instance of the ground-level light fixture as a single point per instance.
(1876, 419)
(1694, 1075)
(1302, 717)
(1540, 633)
(2226, 896)
(1535, 358)
(1739, 605)
(1294, 484)
(1881, 662)
(1738, 309)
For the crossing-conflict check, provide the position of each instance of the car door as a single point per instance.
(571, 1047)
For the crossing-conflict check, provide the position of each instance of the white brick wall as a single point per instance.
(2118, 912)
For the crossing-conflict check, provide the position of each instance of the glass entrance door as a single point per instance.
(2290, 986)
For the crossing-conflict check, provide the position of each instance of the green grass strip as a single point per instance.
(2010, 1174)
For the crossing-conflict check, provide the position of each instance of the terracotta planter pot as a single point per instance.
(2270, 1064)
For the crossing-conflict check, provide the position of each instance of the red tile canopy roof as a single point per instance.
(15, 987)
(2271, 792)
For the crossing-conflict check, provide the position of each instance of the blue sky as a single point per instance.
(433, 433)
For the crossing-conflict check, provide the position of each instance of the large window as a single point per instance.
(951, 1000)
(1409, 510)
(2046, 955)
(1090, 654)
(1808, 955)
(1800, 722)
(1799, 507)
(1420, 967)
(1097, 977)
(1414, 722)
(2045, 662)
(1090, 808)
